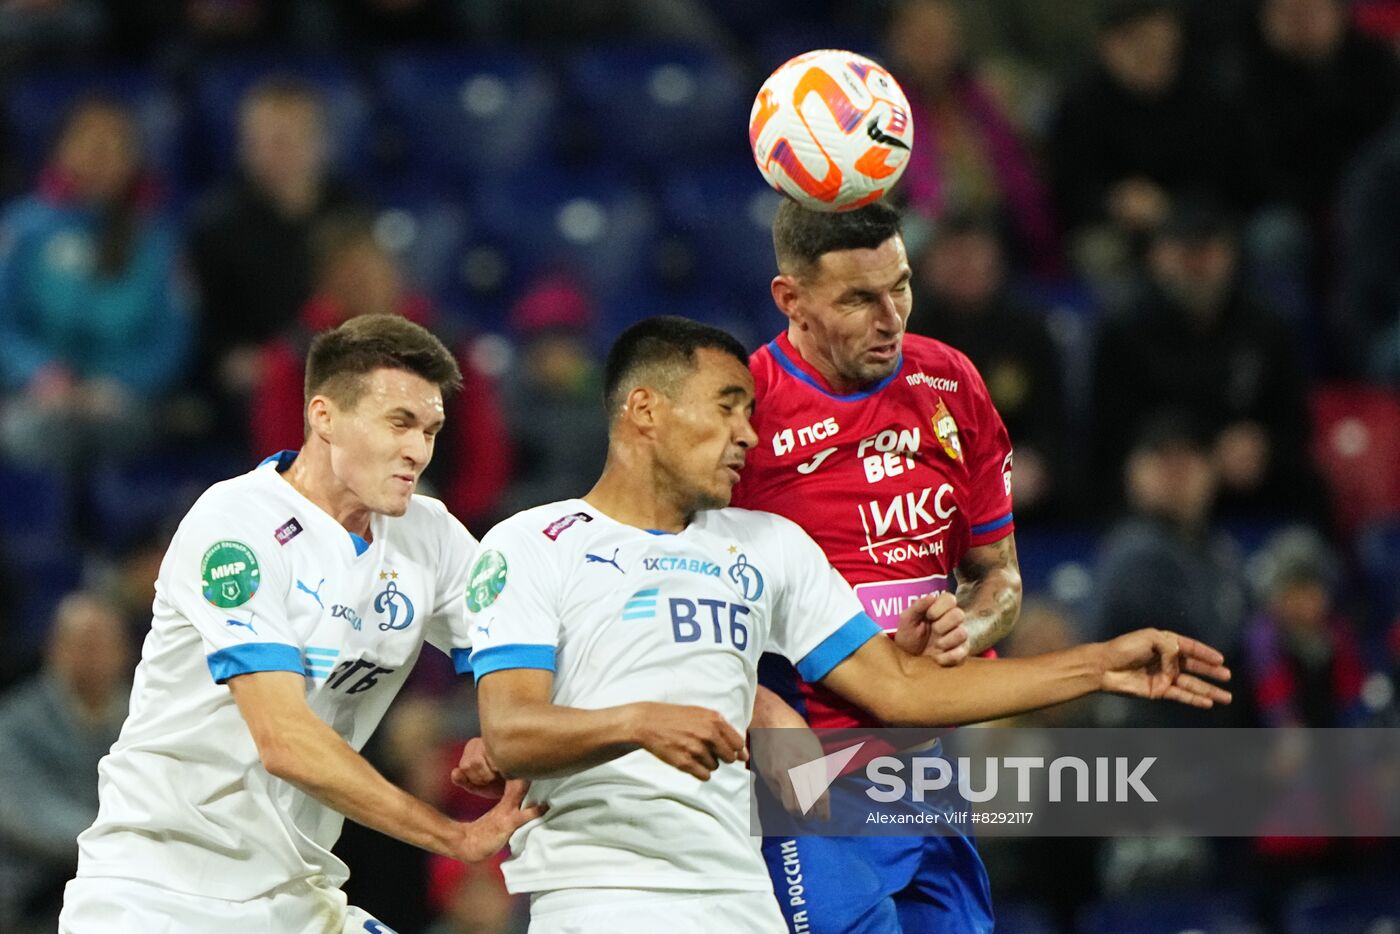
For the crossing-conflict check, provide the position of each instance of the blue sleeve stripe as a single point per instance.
(837, 647)
(520, 655)
(253, 656)
(462, 661)
(991, 526)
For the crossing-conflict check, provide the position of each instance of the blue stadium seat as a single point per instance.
(428, 234)
(1057, 561)
(37, 102)
(219, 91)
(725, 214)
(1358, 907)
(1378, 549)
(592, 225)
(132, 500)
(1023, 918)
(36, 508)
(655, 107)
(1178, 913)
(463, 113)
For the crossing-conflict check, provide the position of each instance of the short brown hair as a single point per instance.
(801, 236)
(340, 359)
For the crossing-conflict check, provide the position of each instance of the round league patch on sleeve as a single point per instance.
(229, 574)
(486, 581)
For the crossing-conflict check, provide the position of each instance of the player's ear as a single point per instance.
(640, 408)
(786, 293)
(319, 416)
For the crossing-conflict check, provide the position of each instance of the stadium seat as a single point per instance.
(596, 226)
(1378, 551)
(1356, 444)
(459, 114)
(130, 501)
(724, 214)
(37, 102)
(36, 505)
(1057, 561)
(428, 234)
(656, 107)
(1357, 907)
(219, 90)
(1023, 918)
(1177, 913)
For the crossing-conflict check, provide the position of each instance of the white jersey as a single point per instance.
(620, 615)
(258, 578)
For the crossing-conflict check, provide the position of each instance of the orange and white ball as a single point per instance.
(832, 130)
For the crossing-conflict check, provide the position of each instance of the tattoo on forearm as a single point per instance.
(989, 592)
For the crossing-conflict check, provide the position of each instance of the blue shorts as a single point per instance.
(880, 885)
(932, 883)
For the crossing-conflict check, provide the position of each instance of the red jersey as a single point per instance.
(895, 482)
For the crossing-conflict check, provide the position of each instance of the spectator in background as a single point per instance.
(1365, 321)
(1301, 657)
(554, 405)
(1316, 90)
(1136, 133)
(969, 156)
(93, 323)
(356, 276)
(53, 729)
(962, 300)
(1196, 342)
(251, 242)
(1164, 565)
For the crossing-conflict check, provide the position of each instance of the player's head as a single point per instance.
(374, 399)
(843, 283)
(679, 395)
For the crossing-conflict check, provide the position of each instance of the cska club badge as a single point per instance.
(947, 431)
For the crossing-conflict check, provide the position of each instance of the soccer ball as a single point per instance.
(832, 130)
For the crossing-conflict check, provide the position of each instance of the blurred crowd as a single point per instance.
(1167, 233)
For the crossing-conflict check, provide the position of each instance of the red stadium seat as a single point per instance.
(1356, 444)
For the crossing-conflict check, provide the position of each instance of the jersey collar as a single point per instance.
(283, 461)
(788, 357)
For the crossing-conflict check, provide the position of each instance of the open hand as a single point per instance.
(1162, 665)
(488, 834)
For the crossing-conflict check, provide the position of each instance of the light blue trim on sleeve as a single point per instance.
(254, 656)
(519, 655)
(837, 647)
(462, 661)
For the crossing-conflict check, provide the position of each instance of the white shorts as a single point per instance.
(122, 906)
(646, 911)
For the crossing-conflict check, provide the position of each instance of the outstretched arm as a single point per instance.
(902, 689)
(298, 747)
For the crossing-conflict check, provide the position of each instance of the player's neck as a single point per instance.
(632, 499)
(312, 477)
(811, 355)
